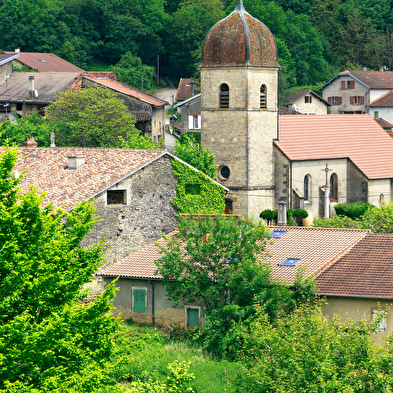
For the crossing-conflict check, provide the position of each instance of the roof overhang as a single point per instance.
(9, 59)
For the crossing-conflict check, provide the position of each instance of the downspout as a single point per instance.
(290, 185)
(152, 303)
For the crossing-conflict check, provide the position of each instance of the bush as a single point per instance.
(298, 215)
(196, 136)
(336, 222)
(269, 215)
(352, 210)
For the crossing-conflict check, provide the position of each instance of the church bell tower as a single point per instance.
(239, 108)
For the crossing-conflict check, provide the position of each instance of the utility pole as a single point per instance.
(327, 189)
(158, 71)
(142, 80)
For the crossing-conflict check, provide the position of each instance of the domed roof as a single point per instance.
(239, 40)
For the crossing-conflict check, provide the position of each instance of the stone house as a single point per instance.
(184, 90)
(307, 102)
(352, 268)
(131, 189)
(190, 114)
(149, 111)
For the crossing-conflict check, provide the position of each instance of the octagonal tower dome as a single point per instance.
(239, 40)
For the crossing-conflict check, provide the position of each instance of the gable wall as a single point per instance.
(379, 190)
(190, 108)
(5, 70)
(147, 214)
(385, 112)
(316, 107)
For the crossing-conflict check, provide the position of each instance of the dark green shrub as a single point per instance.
(352, 210)
(298, 215)
(269, 215)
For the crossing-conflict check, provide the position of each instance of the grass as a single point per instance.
(151, 350)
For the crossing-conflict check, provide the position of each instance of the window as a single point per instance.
(19, 106)
(333, 187)
(376, 313)
(224, 96)
(224, 172)
(262, 97)
(139, 299)
(307, 187)
(376, 115)
(116, 197)
(194, 122)
(347, 85)
(290, 262)
(277, 234)
(192, 316)
(307, 99)
(335, 100)
(228, 206)
(356, 100)
(381, 198)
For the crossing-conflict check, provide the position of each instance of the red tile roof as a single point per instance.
(103, 168)
(383, 123)
(375, 79)
(365, 271)
(298, 94)
(131, 91)
(318, 247)
(338, 136)
(77, 85)
(184, 89)
(45, 62)
(142, 116)
(385, 100)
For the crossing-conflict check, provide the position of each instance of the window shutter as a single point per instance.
(342, 85)
(193, 316)
(351, 100)
(352, 84)
(340, 100)
(199, 122)
(139, 300)
(329, 100)
(190, 122)
(362, 99)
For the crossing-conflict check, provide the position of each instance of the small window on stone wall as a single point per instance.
(333, 187)
(192, 316)
(262, 96)
(116, 197)
(224, 96)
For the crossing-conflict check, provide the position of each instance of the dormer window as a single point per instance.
(224, 96)
(262, 97)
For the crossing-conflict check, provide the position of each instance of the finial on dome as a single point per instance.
(239, 6)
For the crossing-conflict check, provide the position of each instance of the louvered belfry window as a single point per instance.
(224, 96)
(262, 96)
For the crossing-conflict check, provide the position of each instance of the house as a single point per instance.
(190, 114)
(133, 190)
(6, 66)
(141, 296)
(27, 92)
(353, 91)
(307, 102)
(149, 111)
(265, 158)
(184, 90)
(385, 125)
(382, 108)
(41, 62)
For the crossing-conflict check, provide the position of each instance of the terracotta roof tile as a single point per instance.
(45, 62)
(383, 123)
(103, 167)
(184, 89)
(385, 100)
(317, 247)
(142, 116)
(375, 79)
(77, 85)
(338, 136)
(365, 271)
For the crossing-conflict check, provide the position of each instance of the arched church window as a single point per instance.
(333, 187)
(224, 96)
(307, 187)
(262, 96)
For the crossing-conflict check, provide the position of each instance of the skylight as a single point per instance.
(277, 234)
(290, 262)
(43, 61)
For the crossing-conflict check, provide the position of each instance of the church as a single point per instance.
(307, 161)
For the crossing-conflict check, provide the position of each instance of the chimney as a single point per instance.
(17, 50)
(364, 68)
(74, 162)
(381, 68)
(31, 87)
(29, 142)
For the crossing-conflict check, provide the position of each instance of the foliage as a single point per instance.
(379, 219)
(50, 340)
(195, 135)
(298, 215)
(303, 351)
(202, 261)
(336, 222)
(32, 125)
(93, 117)
(353, 210)
(131, 71)
(269, 215)
(192, 152)
(294, 217)
(195, 193)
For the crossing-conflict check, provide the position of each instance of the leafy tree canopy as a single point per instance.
(94, 117)
(193, 152)
(50, 340)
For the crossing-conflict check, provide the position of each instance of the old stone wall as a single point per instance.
(357, 185)
(146, 213)
(5, 71)
(379, 191)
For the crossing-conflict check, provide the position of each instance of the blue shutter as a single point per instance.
(139, 300)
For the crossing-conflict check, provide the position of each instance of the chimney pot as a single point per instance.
(17, 50)
(31, 86)
(29, 142)
(75, 162)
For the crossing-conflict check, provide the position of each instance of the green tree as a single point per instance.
(94, 117)
(50, 340)
(193, 152)
(379, 219)
(305, 352)
(33, 125)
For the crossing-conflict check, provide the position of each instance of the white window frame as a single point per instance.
(132, 299)
(191, 121)
(186, 308)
